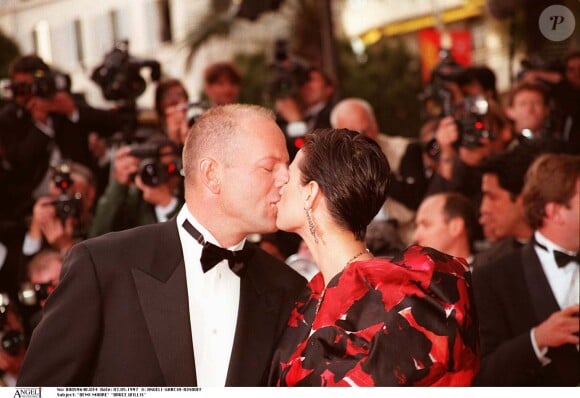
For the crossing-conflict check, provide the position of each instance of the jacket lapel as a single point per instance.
(543, 300)
(565, 358)
(255, 330)
(162, 289)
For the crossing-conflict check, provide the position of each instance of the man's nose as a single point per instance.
(282, 177)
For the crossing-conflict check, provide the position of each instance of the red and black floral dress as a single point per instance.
(409, 321)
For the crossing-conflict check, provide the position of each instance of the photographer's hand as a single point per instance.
(126, 166)
(176, 123)
(58, 235)
(39, 108)
(288, 109)
(63, 104)
(42, 212)
(158, 196)
(446, 135)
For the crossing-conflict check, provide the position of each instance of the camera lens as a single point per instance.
(12, 342)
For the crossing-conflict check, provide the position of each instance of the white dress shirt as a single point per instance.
(564, 282)
(213, 306)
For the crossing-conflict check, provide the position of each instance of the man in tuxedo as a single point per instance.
(528, 300)
(166, 304)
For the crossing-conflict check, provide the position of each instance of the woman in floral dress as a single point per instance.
(365, 321)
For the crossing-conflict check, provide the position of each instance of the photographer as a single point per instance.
(146, 188)
(477, 129)
(222, 82)
(39, 126)
(146, 185)
(307, 109)
(12, 342)
(62, 218)
(171, 107)
(42, 277)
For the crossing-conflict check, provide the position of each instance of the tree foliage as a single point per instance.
(8, 51)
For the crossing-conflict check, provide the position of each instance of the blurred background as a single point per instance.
(365, 45)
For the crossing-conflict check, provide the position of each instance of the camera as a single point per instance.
(438, 101)
(437, 97)
(66, 205)
(32, 294)
(11, 341)
(119, 76)
(152, 171)
(289, 73)
(44, 85)
(470, 115)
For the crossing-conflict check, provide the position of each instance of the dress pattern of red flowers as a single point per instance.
(408, 321)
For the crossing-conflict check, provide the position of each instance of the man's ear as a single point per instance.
(209, 173)
(456, 226)
(553, 212)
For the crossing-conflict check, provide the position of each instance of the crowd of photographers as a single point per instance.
(70, 171)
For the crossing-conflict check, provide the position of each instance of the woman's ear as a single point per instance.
(209, 174)
(310, 194)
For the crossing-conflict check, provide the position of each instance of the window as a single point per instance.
(164, 18)
(80, 45)
(114, 18)
(41, 41)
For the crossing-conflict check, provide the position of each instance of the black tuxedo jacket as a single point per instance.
(512, 296)
(120, 316)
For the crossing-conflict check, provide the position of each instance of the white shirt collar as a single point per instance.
(185, 214)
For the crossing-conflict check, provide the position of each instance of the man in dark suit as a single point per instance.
(42, 125)
(165, 304)
(528, 300)
(307, 109)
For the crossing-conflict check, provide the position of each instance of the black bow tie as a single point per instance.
(562, 259)
(212, 254)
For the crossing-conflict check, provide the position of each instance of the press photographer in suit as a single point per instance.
(41, 125)
(166, 304)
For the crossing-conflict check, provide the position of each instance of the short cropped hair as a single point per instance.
(551, 178)
(216, 71)
(27, 64)
(510, 167)
(352, 172)
(527, 86)
(457, 205)
(344, 105)
(214, 131)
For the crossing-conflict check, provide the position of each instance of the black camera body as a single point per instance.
(119, 76)
(11, 341)
(470, 115)
(44, 85)
(32, 294)
(438, 101)
(66, 205)
(289, 73)
(152, 171)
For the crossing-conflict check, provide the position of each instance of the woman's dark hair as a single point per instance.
(352, 172)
